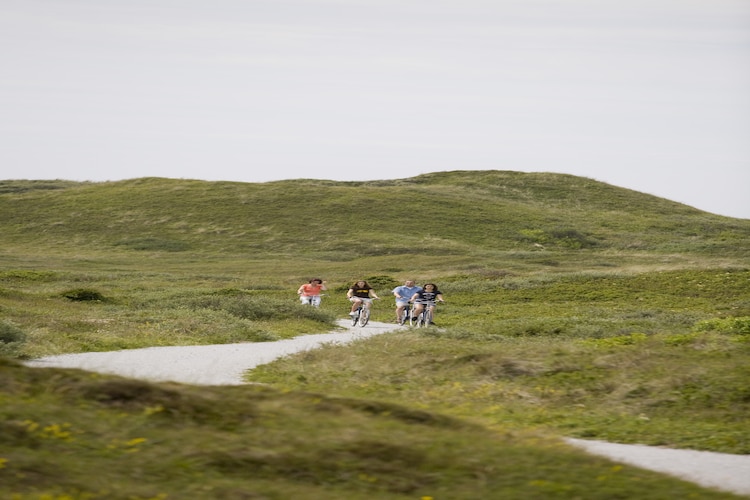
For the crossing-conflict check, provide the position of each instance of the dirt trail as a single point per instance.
(221, 364)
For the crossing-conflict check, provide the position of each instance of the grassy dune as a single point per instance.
(574, 308)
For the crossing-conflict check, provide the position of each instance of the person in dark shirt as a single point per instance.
(359, 293)
(427, 297)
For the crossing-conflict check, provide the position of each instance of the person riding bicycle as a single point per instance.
(360, 293)
(403, 295)
(428, 296)
(309, 293)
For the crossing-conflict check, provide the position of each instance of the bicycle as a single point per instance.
(362, 315)
(406, 314)
(424, 318)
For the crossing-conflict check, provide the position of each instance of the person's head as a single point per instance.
(361, 283)
(429, 287)
(410, 283)
(316, 281)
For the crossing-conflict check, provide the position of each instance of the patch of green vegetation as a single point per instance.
(155, 244)
(11, 339)
(739, 326)
(149, 441)
(84, 295)
(21, 186)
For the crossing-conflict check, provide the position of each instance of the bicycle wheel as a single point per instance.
(364, 316)
(357, 315)
(417, 321)
(427, 317)
(405, 315)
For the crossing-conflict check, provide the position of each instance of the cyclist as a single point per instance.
(403, 295)
(426, 297)
(309, 293)
(359, 293)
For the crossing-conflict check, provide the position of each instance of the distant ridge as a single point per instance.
(457, 211)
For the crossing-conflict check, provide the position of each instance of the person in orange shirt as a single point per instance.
(309, 293)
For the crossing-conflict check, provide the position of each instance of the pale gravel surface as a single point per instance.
(225, 365)
(221, 364)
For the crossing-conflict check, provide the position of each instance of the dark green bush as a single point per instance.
(155, 245)
(84, 295)
(10, 333)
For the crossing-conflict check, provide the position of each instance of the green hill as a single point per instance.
(573, 308)
(467, 212)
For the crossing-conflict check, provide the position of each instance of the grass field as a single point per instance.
(573, 308)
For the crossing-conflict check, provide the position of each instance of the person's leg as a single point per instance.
(432, 312)
(315, 301)
(399, 310)
(417, 310)
(355, 304)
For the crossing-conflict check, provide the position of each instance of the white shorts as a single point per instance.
(363, 299)
(425, 302)
(313, 300)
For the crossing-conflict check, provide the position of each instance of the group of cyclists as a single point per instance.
(361, 294)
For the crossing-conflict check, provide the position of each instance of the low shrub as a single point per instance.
(738, 326)
(84, 295)
(10, 333)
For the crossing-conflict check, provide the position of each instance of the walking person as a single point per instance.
(360, 293)
(427, 297)
(403, 295)
(309, 293)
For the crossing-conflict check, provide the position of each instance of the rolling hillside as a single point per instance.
(573, 308)
(451, 212)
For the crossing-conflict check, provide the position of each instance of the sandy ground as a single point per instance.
(225, 365)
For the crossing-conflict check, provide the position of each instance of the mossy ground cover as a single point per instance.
(72, 435)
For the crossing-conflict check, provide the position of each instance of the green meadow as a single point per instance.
(573, 308)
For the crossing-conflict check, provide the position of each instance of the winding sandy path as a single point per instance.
(221, 364)
(225, 365)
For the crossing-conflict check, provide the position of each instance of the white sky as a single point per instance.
(651, 95)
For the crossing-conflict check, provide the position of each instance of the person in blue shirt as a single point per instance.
(403, 295)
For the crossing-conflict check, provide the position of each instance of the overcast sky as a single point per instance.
(651, 95)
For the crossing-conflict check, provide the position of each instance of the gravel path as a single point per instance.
(225, 365)
(721, 471)
(221, 364)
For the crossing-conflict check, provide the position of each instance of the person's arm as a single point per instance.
(323, 286)
(349, 293)
(373, 294)
(301, 289)
(414, 297)
(439, 297)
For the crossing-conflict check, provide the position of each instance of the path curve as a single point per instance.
(220, 364)
(224, 364)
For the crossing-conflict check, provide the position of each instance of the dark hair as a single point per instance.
(433, 285)
(316, 279)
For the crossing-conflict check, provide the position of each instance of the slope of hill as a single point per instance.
(443, 213)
